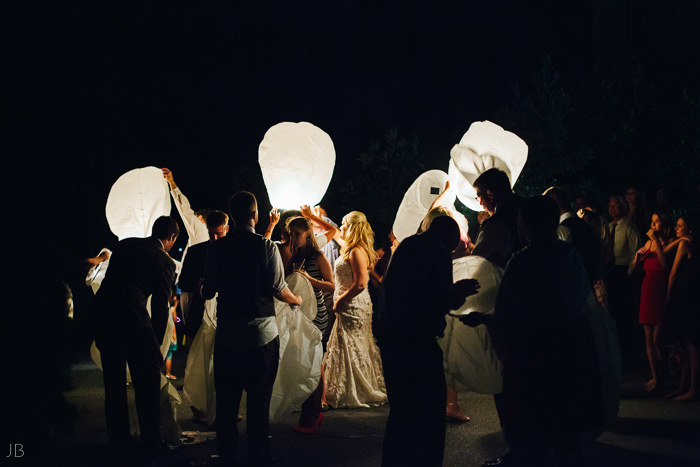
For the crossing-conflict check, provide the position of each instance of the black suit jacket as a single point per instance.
(193, 267)
(138, 268)
(190, 276)
(588, 244)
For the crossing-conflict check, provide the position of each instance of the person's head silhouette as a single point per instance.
(446, 230)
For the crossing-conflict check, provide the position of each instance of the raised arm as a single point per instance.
(331, 232)
(196, 230)
(440, 200)
(671, 246)
(654, 238)
(274, 219)
(359, 263)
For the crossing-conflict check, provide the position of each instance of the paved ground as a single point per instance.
(650, 431)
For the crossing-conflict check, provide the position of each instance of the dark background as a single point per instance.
(605, 93)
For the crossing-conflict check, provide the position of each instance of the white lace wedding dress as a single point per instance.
(353, 365)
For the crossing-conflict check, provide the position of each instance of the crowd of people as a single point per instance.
(381, 313)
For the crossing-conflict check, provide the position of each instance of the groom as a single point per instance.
(418, 292)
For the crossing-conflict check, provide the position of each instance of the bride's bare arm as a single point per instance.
(359, 263)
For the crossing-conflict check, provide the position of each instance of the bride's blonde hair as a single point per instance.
(359, 234)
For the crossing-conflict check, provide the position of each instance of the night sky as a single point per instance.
(99, 88)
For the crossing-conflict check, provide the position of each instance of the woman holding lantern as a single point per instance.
(353, 369)
(316, 268)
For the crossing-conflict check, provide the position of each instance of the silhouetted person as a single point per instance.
(551, 385)
(199, 383)
(418, 292)
(637, 212)
(193, 270)
(246, 270)
(582, 236)
(194, 222)
(498, 237)
(125, 333)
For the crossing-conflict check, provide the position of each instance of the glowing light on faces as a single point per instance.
(135, 201)
(484, 146)
(298, 237)
(217, 232)
(615, 208)
(681, 228)
(297, 161)
(655, 223)
(343, 229)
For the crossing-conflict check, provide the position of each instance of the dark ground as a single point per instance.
(650, 431)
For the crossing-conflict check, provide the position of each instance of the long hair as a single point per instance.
(311, 248)
(666, 232)
(359, 234)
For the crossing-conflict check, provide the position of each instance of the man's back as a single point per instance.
(586, 241)
(238, 267)
(193, 267)
(139, 268)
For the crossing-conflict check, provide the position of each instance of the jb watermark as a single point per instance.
(16, 450)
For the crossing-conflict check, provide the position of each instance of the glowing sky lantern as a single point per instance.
(417, 200)
(136, 200)
(484, 146)
(468, 353)
(297, 161)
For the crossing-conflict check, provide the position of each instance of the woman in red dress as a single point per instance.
(654, 289)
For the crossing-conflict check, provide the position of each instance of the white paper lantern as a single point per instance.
(489, 276)
(297, 161)
(469, 358)
(136, 200)
(417, 200)
(484, 146)
(301, 351)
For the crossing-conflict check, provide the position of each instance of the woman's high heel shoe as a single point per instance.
(315, 428)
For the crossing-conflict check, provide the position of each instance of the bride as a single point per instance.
(353, 368)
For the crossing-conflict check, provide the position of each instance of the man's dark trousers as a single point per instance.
(254, 370)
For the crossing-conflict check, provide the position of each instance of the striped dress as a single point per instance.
(311, 267)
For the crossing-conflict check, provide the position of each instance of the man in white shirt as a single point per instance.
(196, 229)
(623, 291)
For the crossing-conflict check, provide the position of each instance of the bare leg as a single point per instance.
(693, 370)
(651, 356)
(324, 404)
(685, 370)
(453, 411)
(168, 366)
(659, 352)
